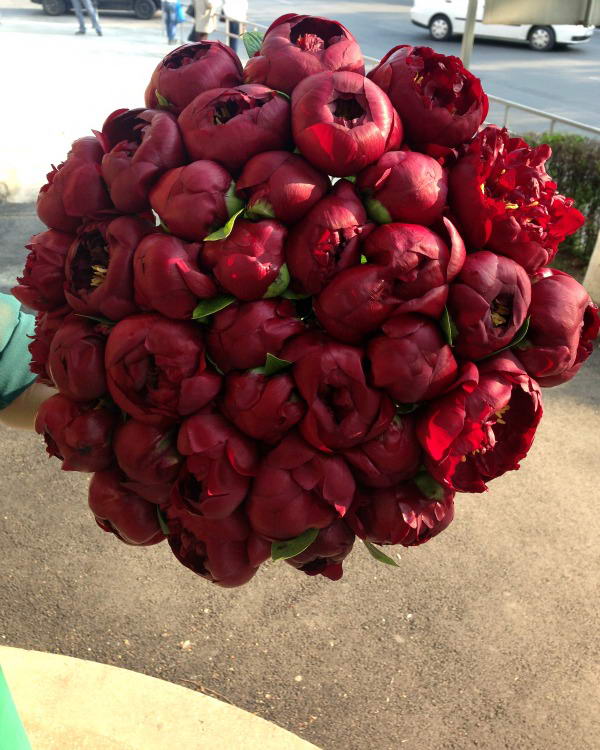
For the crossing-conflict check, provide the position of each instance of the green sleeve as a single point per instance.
(15, 328)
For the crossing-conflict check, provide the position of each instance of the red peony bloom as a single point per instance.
(194, 200)
(241, 336)
(328, 240)
(280, 185)
(404, 514)
(392, 457)
(149, 458)
(46, 326)
(439, 100)
(404, 186)
(140, 145)
(231, 125)
(76, 359)
(342, 410)
(298, 488)
(156, 369)
(506, 201)
(189, 70)
(356, 302)
(77, 434)
(219, 466)
(295, 47)
(264, 407)
(75, 189)
(167, 278)
(488, 303)
(116, 509)
(410, 360)
(327, 553)
(248, 263)
(564, 324)
(483, 427)
(42, 282)
(224, 551)
(99, 267)
(342, 122)
(419, 261)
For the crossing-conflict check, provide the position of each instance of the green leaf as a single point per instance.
(351, 178)
(98, 319)
(233, 202)
(448, 327)
(222, 232)
(274, 364)
(407, 408)
(280, 284)
(428, 486)
(252, 42)
(363, 259)
(162, 521)
(517, 339)
(163, 102)
(211, 306)
(213, 363)
(293, 547)
(282, 93)
(379, 555)
(164, 227)
(377, 211)
(260, 210)
(288, 294)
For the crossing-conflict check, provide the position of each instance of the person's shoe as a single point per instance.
(172, 41)
(81, 31)
(99, 32)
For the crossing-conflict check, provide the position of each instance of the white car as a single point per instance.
(447, 17)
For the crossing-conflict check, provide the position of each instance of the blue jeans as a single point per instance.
(91, 11)
(170, 16)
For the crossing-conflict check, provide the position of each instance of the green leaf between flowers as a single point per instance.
(517, 339)
(274, 364)
(293, 547)
(252, 42)
(260, 210)
(163, 102)
(289, 294)
(428, 486)
(280, 284)
(407, 408)
(208, 307)
(363, 259)
(164, 527)
(282, 93)
(222, 232)
(379, 555)
(448, 327)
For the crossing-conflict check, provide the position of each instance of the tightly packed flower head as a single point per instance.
(506, 201)
(295, 47)
(291, 309)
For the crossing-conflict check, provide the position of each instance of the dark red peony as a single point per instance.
(76, 359)
(342, 122)
(42, 284)
(295, 47)
(156, 369)
(506, 201)
(439, 100)
(483, 427)
(327, 553)
(188, 71)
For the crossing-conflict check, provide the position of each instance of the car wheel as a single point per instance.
(440, 28)
(54, 7)
(144, 9)
(542, 38)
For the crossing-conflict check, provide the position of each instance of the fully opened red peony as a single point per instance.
(289, 307)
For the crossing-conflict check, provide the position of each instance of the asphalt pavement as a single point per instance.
(486, 637)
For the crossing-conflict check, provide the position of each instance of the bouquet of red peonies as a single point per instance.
(289, 305)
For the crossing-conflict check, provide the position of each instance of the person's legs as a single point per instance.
(79, 13)
(170, 12)
(91, 11)
(234, 27)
